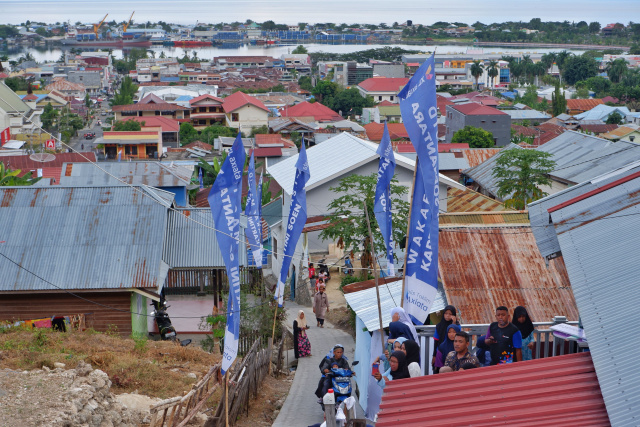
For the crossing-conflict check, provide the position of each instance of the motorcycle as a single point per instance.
(341, 383)
(167, 331)
(348, 267)
(323, 268)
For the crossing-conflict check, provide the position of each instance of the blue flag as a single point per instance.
(296, 220)
(254, 225)
(420, 116)
(382, 206)
(200, 178)
(225, 199)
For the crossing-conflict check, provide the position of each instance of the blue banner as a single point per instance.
(225, 199)
(254, 225)
(420, 116)
(382, 206)
(200, 178)
(296, 220)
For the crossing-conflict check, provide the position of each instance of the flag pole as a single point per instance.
(226, 398)
(406, 244)
(375, 273)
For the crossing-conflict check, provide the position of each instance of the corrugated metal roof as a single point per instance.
(476, 156)
(272, 211)
(598, 234)
(527, 115)
(135, 173)
(482, 268)
(449, 161)
(482, 174)
(486, 218)
(471, 201)
(189, 244)
(555, 391)
(81, 238)
(543, 228)
(365, 303)
(26, 164)
(334, 157)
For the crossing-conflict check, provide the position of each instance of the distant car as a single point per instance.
(103, 113)
(89, 135)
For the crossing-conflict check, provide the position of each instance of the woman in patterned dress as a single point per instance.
(301, 345)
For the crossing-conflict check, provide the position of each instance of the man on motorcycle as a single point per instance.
(337, 361)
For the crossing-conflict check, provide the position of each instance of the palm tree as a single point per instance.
(561, 58)
(539, 69)
(527, 67)
(616, 69)
(493, 71)
(477, 68)
(548, 59)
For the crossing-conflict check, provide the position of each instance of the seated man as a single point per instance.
(460, 355)
(337, 361)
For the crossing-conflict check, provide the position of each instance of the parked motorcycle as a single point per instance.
(167, 331)
(323, 268)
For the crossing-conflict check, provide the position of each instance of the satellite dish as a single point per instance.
(42, 157)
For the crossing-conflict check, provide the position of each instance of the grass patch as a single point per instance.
(154, 368)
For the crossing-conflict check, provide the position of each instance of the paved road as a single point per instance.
(79, 141)
(300, 408)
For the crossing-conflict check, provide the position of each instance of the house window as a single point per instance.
(131, 150)
(493, 121)
(391, 98)
(202, 109)
(235, 117)
(275, 248)
(380, 98)
(483, 121)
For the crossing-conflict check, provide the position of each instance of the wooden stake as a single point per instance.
(226, 397)
(406, 245)
(273, 333)
(375, 274)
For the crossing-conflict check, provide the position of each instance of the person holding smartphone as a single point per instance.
(504, 339)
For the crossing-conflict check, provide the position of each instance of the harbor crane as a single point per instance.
(125, 26)
(96, 27)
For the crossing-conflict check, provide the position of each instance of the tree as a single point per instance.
(615, 118)
(48, 116)
(305, 83)
(520, 172)
(350, 101)
(300, 49)
(127, 126)
(87, 101)
(477, 68)
(616, 69)
(576, 68)
(210, 171)
(259, 130)
(325, 91)
(558, 102)
(126, 93)
(493, 71)
(634, 49)
(348, 224)
(10, 177)
(475, 137)
(594, 27)
(188, 133)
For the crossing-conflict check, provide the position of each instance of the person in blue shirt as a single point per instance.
(504, 339)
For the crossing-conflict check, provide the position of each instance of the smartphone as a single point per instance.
(375, 368)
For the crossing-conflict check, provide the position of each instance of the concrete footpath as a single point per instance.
(301, 409)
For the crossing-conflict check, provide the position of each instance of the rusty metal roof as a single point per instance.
(154, 174)
(485, 267)
(486, 218)
(556, 391)
(471, 201)
(81, 238)
(475, 156)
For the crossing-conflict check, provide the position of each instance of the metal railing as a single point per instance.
(546, 344)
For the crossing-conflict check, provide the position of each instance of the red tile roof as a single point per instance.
(475, 109)
(524, 130)
(582, 104)
(205, 96)
(610, 99)
(266, 152)
(442, 103)
(446, 148)
(383, 84)
(152, 106)
(275, 139)
(167, 124)
(598, 129)
(386, 103)
(555, 391)
(199, 144)
(396, 131)
(240, 99)
(319, 112)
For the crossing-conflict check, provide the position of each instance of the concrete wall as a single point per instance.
(249, 117)
(389, 70)
(498, 125)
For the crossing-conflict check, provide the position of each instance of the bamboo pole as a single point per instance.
(406, 245)
(273, 333)
(375, 274)
(226, 397)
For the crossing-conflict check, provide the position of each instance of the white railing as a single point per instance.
(546, 345)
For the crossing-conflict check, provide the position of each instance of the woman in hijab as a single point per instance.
(448, 317)
(523, 322)
(401, 326)
(445, 347)
(397, 371)
(412, 350)
(390, 348)
(301, 345)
